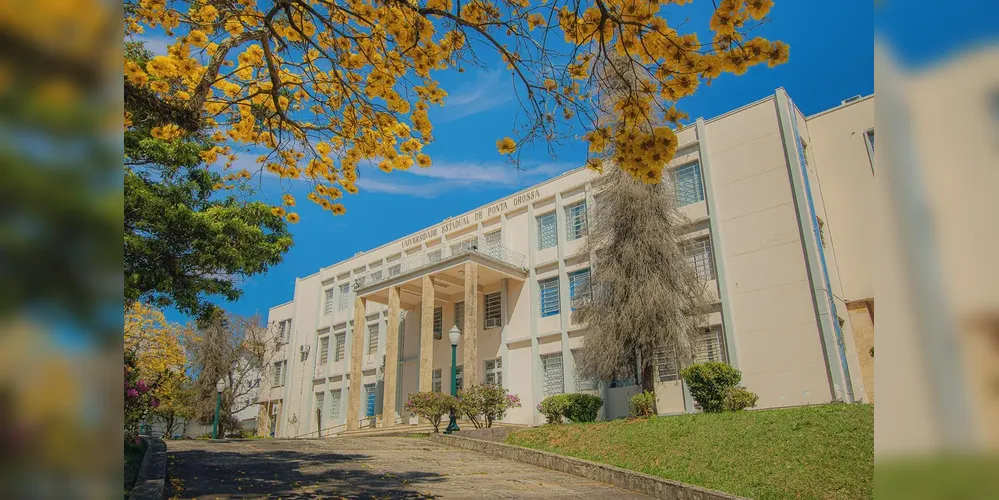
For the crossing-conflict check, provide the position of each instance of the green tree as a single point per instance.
(186, 237)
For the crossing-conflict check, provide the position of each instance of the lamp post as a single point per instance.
(454, 335)
(219, 387)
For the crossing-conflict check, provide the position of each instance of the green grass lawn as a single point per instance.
(822, 451)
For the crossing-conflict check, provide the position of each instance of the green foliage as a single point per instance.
(432, 406)
(138, 398)
(488, 402)
(575, 407)
(738, 398)
(643, 404)
(710, 384)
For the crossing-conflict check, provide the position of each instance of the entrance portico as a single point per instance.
(444, 274)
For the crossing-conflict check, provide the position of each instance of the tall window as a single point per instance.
(344, 296)
(494, 371)
(438, 323)
(280, 372)
(284, 330)
(575, 221)
(459, 315)
(579, 287)
(582, 383)
(666, 365)
(547, 235)
(328, 302)
(369, 400)
(687, 181)
(459, 378)
(335, 405)
(710, 346)
(373, 338)
(494, 244)
(549, 296)
(698, 254)
(551, 367)
(437, 380)
(320, 406)
(324, 349)
(341, 339)
(493, 310)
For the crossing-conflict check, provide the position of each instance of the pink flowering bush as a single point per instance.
(138, 398)
(486, 402)
(431, 406)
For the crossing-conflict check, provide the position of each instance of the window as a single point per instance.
(438, 323)
(344, 296)
(373, 338)
(579, 287)
(324, 349)
(459, 315)
(575, 221)
(710, 346)
(549, 296)
(328, 302)
(376, 276)
(822, 230)
(666, 365)
(494, 244)
(335, 405)
(494, 371)
(698, 254)
(434, 256)
(547, 235)
(340, 341)
(493, 310)
(582, 383)
(551, 366)
(369, 400)
(437, 380)
(459, 378)
(280, 369)
(284, 330)
(687, 182)
(320, 404)
(395, 270)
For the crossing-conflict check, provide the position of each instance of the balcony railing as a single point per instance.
(471, 244)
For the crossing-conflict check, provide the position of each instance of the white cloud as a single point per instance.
(489, 90)
(400, 188)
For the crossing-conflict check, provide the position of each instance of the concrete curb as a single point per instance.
(151, 483)
(638, 482)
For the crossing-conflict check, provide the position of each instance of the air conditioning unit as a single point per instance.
(304, 349)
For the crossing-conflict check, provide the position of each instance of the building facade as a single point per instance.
(361, 335)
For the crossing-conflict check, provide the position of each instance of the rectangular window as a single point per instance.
(459, 378)
(547, 231)
(320, 406)
(494, 244)
(395, 270)
(344, 296)
(369, 400)
(459, 315)
(666, 365)
(438, 323)
(575, 221)
(284, 330)
(493, 310)
(376, 276)
(549, 296)
(324, 349)
(373, 338)
(434, 256)
(341, 339)
(579, 287)
(437, 380)
(280, 368)
(698, 254)
(328, 302)
(687, 182)
(710, 346)
(494, 371)
(335, 405)
(551, 366)
(582, 383)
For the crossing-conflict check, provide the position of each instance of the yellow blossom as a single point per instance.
(506, 146)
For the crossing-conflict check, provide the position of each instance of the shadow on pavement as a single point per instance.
(287, 475)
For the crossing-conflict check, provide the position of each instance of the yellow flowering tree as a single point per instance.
(324, 87)
(160, 361)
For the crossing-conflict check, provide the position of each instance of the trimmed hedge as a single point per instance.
(575, 407)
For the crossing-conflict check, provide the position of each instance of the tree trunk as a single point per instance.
(169, 423)
(648, 385)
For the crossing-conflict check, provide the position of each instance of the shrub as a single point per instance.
(138, 398)
(582, 407)
(738, 398)
(643, 404)
(432, 406)
(490, 402)
(553, 408)
(710, 384)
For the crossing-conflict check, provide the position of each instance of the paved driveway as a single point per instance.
(362, 467)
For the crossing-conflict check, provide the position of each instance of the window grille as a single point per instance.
(575, 217)
(335, 405)
(459, 315)
(687, 182)
(434, 256)
(344, 296)
(579, 287)
(549, 297)
(395, 270)
(340, 341)
(698, 254)
(437, 380)
(493, 310)
(494, 371)
(494, 242)
(328, 304)
(547, 236)
(710, 346)
(551, 365)
(373, 338)
(324, 350)
(582, 383)
(438, 323)
(459, 377)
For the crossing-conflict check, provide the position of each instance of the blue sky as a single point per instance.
(826, 66)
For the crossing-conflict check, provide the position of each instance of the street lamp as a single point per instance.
(454, 335)
(219, 387)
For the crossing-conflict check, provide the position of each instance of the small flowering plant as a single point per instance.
(488, 402)
(431, 406)
(138, 398)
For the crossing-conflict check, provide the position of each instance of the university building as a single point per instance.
(776, 202)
